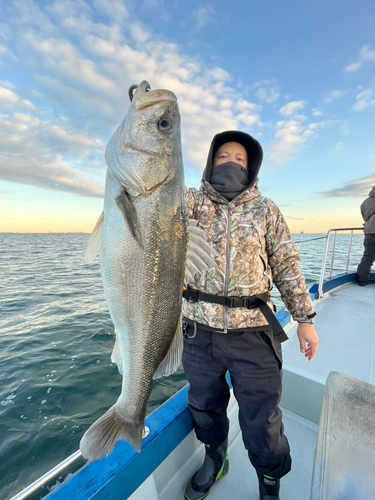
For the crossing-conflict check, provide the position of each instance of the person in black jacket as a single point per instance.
(368, 214)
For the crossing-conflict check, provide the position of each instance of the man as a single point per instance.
(368, 215)
(235, 334)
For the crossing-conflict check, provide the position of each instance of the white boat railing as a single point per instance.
(42, 481)
(325, 253)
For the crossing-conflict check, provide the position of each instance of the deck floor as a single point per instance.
(345, 324)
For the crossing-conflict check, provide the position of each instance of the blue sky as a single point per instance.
(298, 76)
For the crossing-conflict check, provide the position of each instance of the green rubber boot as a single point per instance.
(269, 488)
(215, 467)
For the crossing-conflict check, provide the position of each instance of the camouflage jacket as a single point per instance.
(256, 250)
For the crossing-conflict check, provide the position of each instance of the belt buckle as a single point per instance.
(236, 302)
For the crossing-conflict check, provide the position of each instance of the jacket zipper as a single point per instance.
(226, 281)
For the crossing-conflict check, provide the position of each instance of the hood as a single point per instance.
(253, 148)
(372, 192)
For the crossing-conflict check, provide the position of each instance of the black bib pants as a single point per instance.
(254, 361)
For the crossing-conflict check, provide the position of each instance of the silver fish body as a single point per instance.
(143, 254)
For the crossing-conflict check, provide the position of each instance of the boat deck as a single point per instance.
(345, 324)
(342, 335)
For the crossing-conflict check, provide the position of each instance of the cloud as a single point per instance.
(115, 10)
(268, 91)
(290, 137)
(316, 112)
(204, 16)
(249, 112)
(292, 218)
(334, 95)
(5, 83)
(83, 70)
(64, 59)
(338, 147)
(357, 188)
(13, 98)
(290, 108)
(365, 55)
(364, 100)
(26, 12)
(291, 134)
(352, 68)
(52, 174)
(46, 154)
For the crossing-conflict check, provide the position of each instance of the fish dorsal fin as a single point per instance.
(201, 254)
(116, 356)
(130, 215)
(173, 357)
(95, 241)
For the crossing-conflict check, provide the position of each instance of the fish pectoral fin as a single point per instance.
(116, 357)
(99, 440)
(130, 215)
(95, 241)
(172, 359)
(200, 254)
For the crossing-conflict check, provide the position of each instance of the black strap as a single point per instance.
(277, 329)
(250, 302)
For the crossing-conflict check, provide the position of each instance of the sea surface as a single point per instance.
(56, 339)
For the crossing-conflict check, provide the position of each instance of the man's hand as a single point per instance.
(308, 339)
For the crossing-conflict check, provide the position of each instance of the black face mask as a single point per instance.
(229, 179)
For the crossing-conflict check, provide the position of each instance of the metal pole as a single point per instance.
(49, 475)
(333, 254)
(320, 289)
(350, 246)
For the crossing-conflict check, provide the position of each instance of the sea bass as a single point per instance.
(142, 236)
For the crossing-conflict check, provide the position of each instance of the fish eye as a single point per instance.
(165, 124)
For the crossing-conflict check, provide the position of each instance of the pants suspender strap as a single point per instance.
(251, 302)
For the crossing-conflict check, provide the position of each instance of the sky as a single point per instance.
(298, 76)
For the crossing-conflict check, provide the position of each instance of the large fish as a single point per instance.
(143, 239)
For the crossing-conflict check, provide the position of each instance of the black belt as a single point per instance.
(250, 302)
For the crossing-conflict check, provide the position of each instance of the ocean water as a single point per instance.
(56, 338)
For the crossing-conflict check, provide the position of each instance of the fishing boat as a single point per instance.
(328, 409)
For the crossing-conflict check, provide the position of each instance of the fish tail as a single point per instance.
(100, 439)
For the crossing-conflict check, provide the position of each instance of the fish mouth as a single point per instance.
(137, 150)
(145, 97)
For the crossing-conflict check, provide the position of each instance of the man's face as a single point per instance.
(231, 151)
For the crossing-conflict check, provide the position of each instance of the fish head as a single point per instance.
(145, 151)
